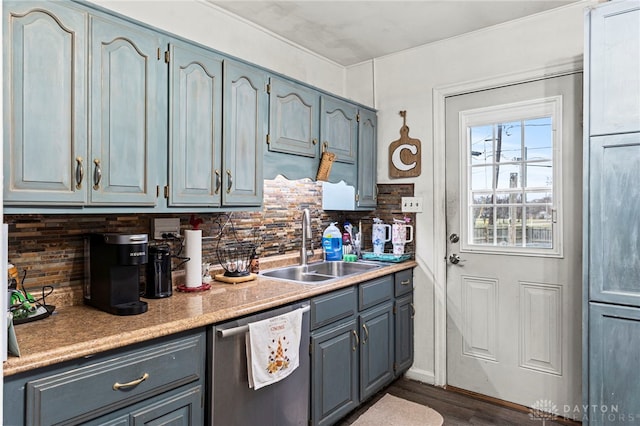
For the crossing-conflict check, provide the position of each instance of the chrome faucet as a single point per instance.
(306, 233)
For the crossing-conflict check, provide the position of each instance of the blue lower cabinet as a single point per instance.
(163, 378)
(367, 346)
(334, 372)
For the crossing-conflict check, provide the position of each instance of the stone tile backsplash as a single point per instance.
(50, 248)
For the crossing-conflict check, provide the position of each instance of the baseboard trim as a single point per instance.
(507, 404)
(422, 376)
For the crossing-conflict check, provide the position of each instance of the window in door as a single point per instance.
(510, 158)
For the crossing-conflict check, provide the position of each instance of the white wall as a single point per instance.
(209, 25)
(405, 81)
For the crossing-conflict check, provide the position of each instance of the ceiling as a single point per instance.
(353, 31)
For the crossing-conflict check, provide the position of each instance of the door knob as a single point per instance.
(454, 258)
(454, 238)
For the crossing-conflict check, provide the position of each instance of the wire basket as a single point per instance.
(235, 258)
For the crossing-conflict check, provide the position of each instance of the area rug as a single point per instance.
(394, 411)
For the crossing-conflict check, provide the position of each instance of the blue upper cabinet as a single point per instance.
(293, 118)
(45, 108)
(127, 107)
(246, 104)
(367, 194)
(339, 128)
(614, 65)
(195, 126)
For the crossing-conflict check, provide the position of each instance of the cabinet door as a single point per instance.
(614, 246)
(404, 314)
(183, 408)
(128, 101)
(367, 160)
(245, 130)
(195, 140)
(334, 372)
(339, 129)
(615, 68)
(45, 131)
(614, 364)
(376, 349)
(293, 119)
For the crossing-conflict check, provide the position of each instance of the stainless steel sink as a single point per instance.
(321, 272)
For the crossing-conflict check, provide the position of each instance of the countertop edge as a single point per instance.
(86, 347)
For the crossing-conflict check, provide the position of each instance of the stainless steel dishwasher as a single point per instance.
(233, 403)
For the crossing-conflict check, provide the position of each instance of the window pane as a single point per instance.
(539, 197)
(481, 178)
(539, 175)
(482, 225)
(481, 138)
(539, 230)
(538, 139)
(511, 147)
(509, 226)
(508, 198)
(508, 176)
(482, 198)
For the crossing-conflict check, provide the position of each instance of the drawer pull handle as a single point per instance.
(353, 348)
(405, 282)
(366, 332)
(118, 386)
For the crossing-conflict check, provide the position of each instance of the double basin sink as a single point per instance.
(321, 272)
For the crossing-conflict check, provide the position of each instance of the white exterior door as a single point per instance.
(513, 207)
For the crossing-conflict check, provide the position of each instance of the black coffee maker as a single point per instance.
(112, 272)
(158, 283)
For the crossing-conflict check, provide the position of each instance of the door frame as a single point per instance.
(440, 93)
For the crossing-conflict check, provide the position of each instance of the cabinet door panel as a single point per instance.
(614, 245)
(614, 64)
(334, 373)
(376, 349)
(367, 160)
(195, 127)
(614, 361)
(246, 106)
(339, 129)
(125, 107)
(293, 119)
(44, 103)
(404, 313)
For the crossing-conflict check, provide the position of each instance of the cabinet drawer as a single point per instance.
(83, 393)
(375, 291)
(403, 282)
(333, 307)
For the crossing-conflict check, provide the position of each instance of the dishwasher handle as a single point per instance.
(244, 328)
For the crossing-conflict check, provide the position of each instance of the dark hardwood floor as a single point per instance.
(455, 407)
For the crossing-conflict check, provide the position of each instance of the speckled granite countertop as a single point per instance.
(78, 331)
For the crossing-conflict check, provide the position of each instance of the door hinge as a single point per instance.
(166, 191)
(268, 139)
(310, 349)
(395, 309)
(268, 88)
(358, 117)
(167, 56)
(357, 197)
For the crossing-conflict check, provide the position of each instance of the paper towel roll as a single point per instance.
(193, 250)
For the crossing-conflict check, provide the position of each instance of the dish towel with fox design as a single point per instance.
(273, 347)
